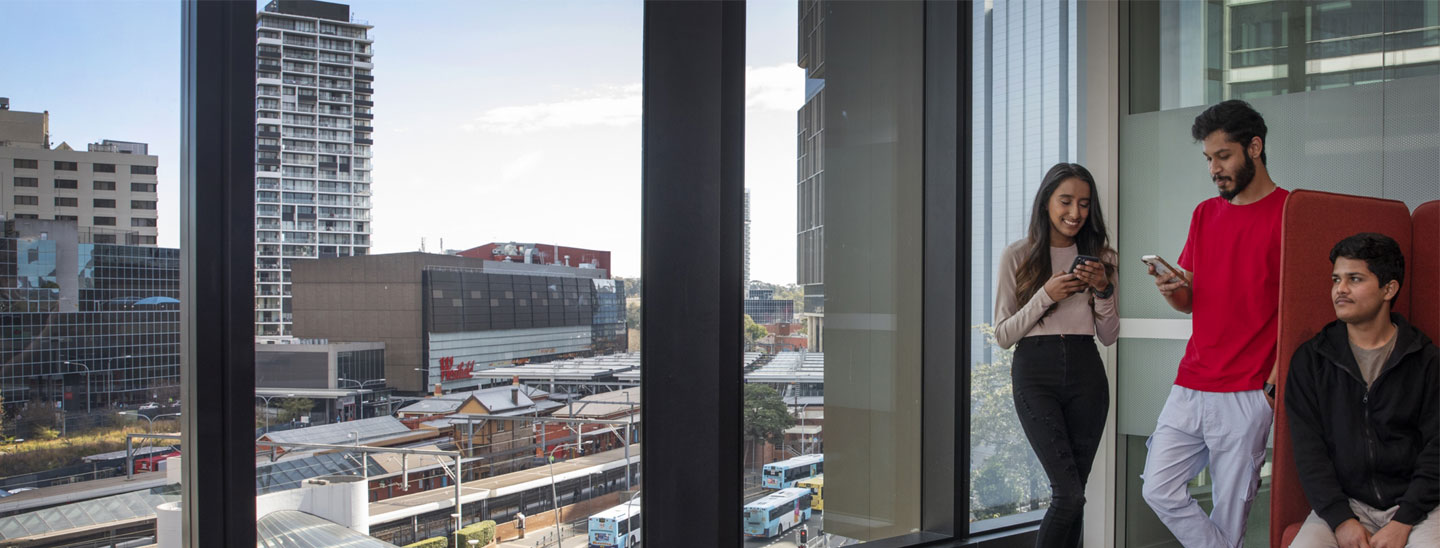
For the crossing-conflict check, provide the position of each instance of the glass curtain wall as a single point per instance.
(832, 397)
(1024, 73)
(90, 323)
(1348, 92)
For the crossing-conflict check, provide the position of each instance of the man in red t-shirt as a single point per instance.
(1220, 410)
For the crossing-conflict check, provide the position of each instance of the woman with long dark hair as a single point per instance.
(1052, 315)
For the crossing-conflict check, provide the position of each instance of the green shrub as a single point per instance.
(433, 542)
(45, 433)
(483, 532)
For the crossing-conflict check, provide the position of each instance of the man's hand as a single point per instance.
(1353, 535)
(1392, 535)
(1167, 285)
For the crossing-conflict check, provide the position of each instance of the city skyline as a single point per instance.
(518, 123)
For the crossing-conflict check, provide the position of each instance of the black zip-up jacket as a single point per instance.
(1379, 446)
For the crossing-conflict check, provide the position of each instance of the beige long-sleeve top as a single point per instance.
(1074, 316)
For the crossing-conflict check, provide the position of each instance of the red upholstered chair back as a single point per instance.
(1313, 222)
(1425, 266)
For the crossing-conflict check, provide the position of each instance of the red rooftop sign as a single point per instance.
(451, 371)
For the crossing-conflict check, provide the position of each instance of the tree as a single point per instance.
(292, 409)
(766, 416)
(1006, 474)
(39, 420)
(753, 332)
(632, 314)
(633, 287)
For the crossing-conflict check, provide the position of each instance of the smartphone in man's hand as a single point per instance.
(1163, 270)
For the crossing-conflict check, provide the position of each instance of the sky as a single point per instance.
(494, 121)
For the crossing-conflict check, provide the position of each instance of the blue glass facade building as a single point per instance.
(84, 321)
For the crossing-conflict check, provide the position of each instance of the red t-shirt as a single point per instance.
(1234, 253)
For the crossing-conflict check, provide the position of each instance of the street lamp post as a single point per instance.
(110, 378)
(266, 399)
(360, 386)
(457, 524)
(554, 497)
(151, 428)
(87, 384)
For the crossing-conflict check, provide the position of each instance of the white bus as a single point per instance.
(618, 526)
(784, 474)
(777, 512)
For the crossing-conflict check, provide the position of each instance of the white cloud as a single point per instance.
(781, 87)
(521, 166)
(612, 106)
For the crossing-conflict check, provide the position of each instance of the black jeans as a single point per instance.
(1062, 398)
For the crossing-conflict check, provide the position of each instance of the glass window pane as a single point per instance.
(1024, 121)
(89, 321)
(446, 261)
(1187, 54)
(839, 82)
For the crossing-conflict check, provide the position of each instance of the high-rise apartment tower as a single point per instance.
(313, 132)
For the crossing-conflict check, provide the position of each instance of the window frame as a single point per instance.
(697, 119)
(217, 257)
(692, 176)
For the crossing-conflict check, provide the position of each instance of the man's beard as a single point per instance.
(1241, 180)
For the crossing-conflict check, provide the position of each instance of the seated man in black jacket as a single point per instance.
(1362, 404)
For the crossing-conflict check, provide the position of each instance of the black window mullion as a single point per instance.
(945, 431)
(692, 243)
(217, 256)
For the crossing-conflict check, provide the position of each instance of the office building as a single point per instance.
(543, 254)
(443, 318)
(313, 132)
(87, 325)
(810, 184)
(1024, 121)
(108, 190)
(746, 280)
(768, 311)
(346, 381)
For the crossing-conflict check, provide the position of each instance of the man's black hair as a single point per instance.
(1237, 119)
(1380, 253)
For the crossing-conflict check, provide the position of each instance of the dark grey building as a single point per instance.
(345, 379)
(765, 311)
(85, 326)
(443, 317)
(810, 177)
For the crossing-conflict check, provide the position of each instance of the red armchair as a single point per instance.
(1313, 222)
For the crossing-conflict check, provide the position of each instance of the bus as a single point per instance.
(777, 512)
(618, 526)
(816, 485)
(783, 474)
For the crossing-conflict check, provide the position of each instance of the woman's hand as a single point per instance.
(1093, 274)
(1063, 285)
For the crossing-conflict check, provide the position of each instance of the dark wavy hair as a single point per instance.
(1381, 254)
(1237, 119)
(1093, 240)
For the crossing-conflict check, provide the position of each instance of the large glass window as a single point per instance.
(1186, 54)
(89, 318)
(447, 262)
(1024, 121)
(834, 141)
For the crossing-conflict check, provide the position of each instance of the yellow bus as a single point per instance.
(816, 485)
